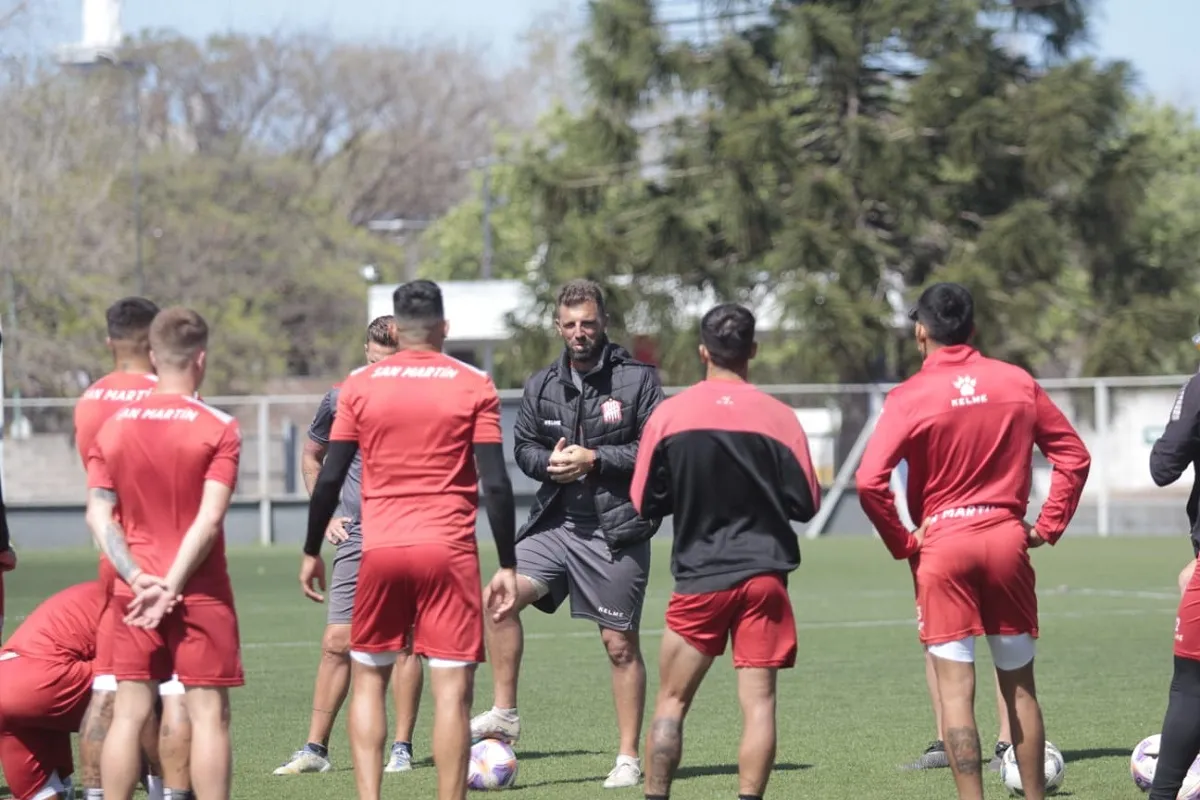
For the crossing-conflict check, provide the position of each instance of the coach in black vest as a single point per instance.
(577, 433)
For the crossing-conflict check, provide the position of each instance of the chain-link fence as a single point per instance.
(1119, 418)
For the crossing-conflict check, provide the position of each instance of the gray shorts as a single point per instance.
(567, 562)
(344, 579)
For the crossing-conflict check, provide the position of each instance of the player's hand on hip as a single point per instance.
(312, 569)
(8, 560)
(336, 532)
(1185, 575)
(1033, 537)
(501, 594)
(919, 533)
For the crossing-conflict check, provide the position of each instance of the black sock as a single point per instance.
(178, 794)
(1180, 731)
(749, 797)
(657, 797)
(319, 749)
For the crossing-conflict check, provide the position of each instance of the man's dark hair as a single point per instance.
(129, 319)
(382, 331)
(947, 311)
(578, 291)
(727, 331)
(418, 303)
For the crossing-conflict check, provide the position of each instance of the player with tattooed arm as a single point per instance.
(171, 463)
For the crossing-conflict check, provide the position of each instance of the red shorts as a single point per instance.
(756, 614)
(429, 589)
(41, 703)
(974, 579)
(107, 575)
(1187, 621)
(198, 641)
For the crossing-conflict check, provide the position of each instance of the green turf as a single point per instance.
(850, 713)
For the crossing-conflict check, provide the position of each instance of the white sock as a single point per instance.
(154, 787)
(511, 713)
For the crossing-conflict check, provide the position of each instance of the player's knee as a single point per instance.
(335, 644)
(208, 708)
(623, 647)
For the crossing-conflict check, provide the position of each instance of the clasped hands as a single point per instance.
(153, 599)
(570, 462)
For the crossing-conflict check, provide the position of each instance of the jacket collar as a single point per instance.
(951, 356)
(610, 355)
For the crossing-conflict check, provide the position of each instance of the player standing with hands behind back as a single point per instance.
(732, 464)
(967, 426)
(171, 463)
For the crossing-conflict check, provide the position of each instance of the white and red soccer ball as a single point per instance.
(493, 765)
(1144, 761)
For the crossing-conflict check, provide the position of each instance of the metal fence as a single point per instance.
(1119, 419)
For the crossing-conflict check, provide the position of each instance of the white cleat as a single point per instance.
(303, 761)
(496, 724)
(627, 772)
(401, 760)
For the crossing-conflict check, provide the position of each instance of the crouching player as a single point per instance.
(172, 462)
(967, 426)
(45, 690)
(732, 465)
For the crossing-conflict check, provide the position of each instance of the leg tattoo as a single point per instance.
(964, 749)
(666, 749)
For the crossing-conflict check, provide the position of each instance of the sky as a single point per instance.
(1157, 36)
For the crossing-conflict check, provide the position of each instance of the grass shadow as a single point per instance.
(706, 770)
(533, 755)
(1096, 752)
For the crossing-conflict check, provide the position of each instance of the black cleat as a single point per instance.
(934, 757)
(1001, 749)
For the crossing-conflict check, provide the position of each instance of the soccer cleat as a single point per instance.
(496, 724)
(627, 772)
(1001, 749)
(934, 757)
(401, 760)
(303, 761)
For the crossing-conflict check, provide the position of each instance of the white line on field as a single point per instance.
(831, 625)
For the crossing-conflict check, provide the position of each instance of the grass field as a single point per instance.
(850, 713)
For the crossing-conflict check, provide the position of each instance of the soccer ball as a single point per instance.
(1144, 761)
(493, 765)
(1055, 770)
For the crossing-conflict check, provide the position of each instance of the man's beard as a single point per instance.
(587, 355)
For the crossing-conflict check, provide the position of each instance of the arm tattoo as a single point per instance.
(118, 551)
(666, 748)
(965, 753)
